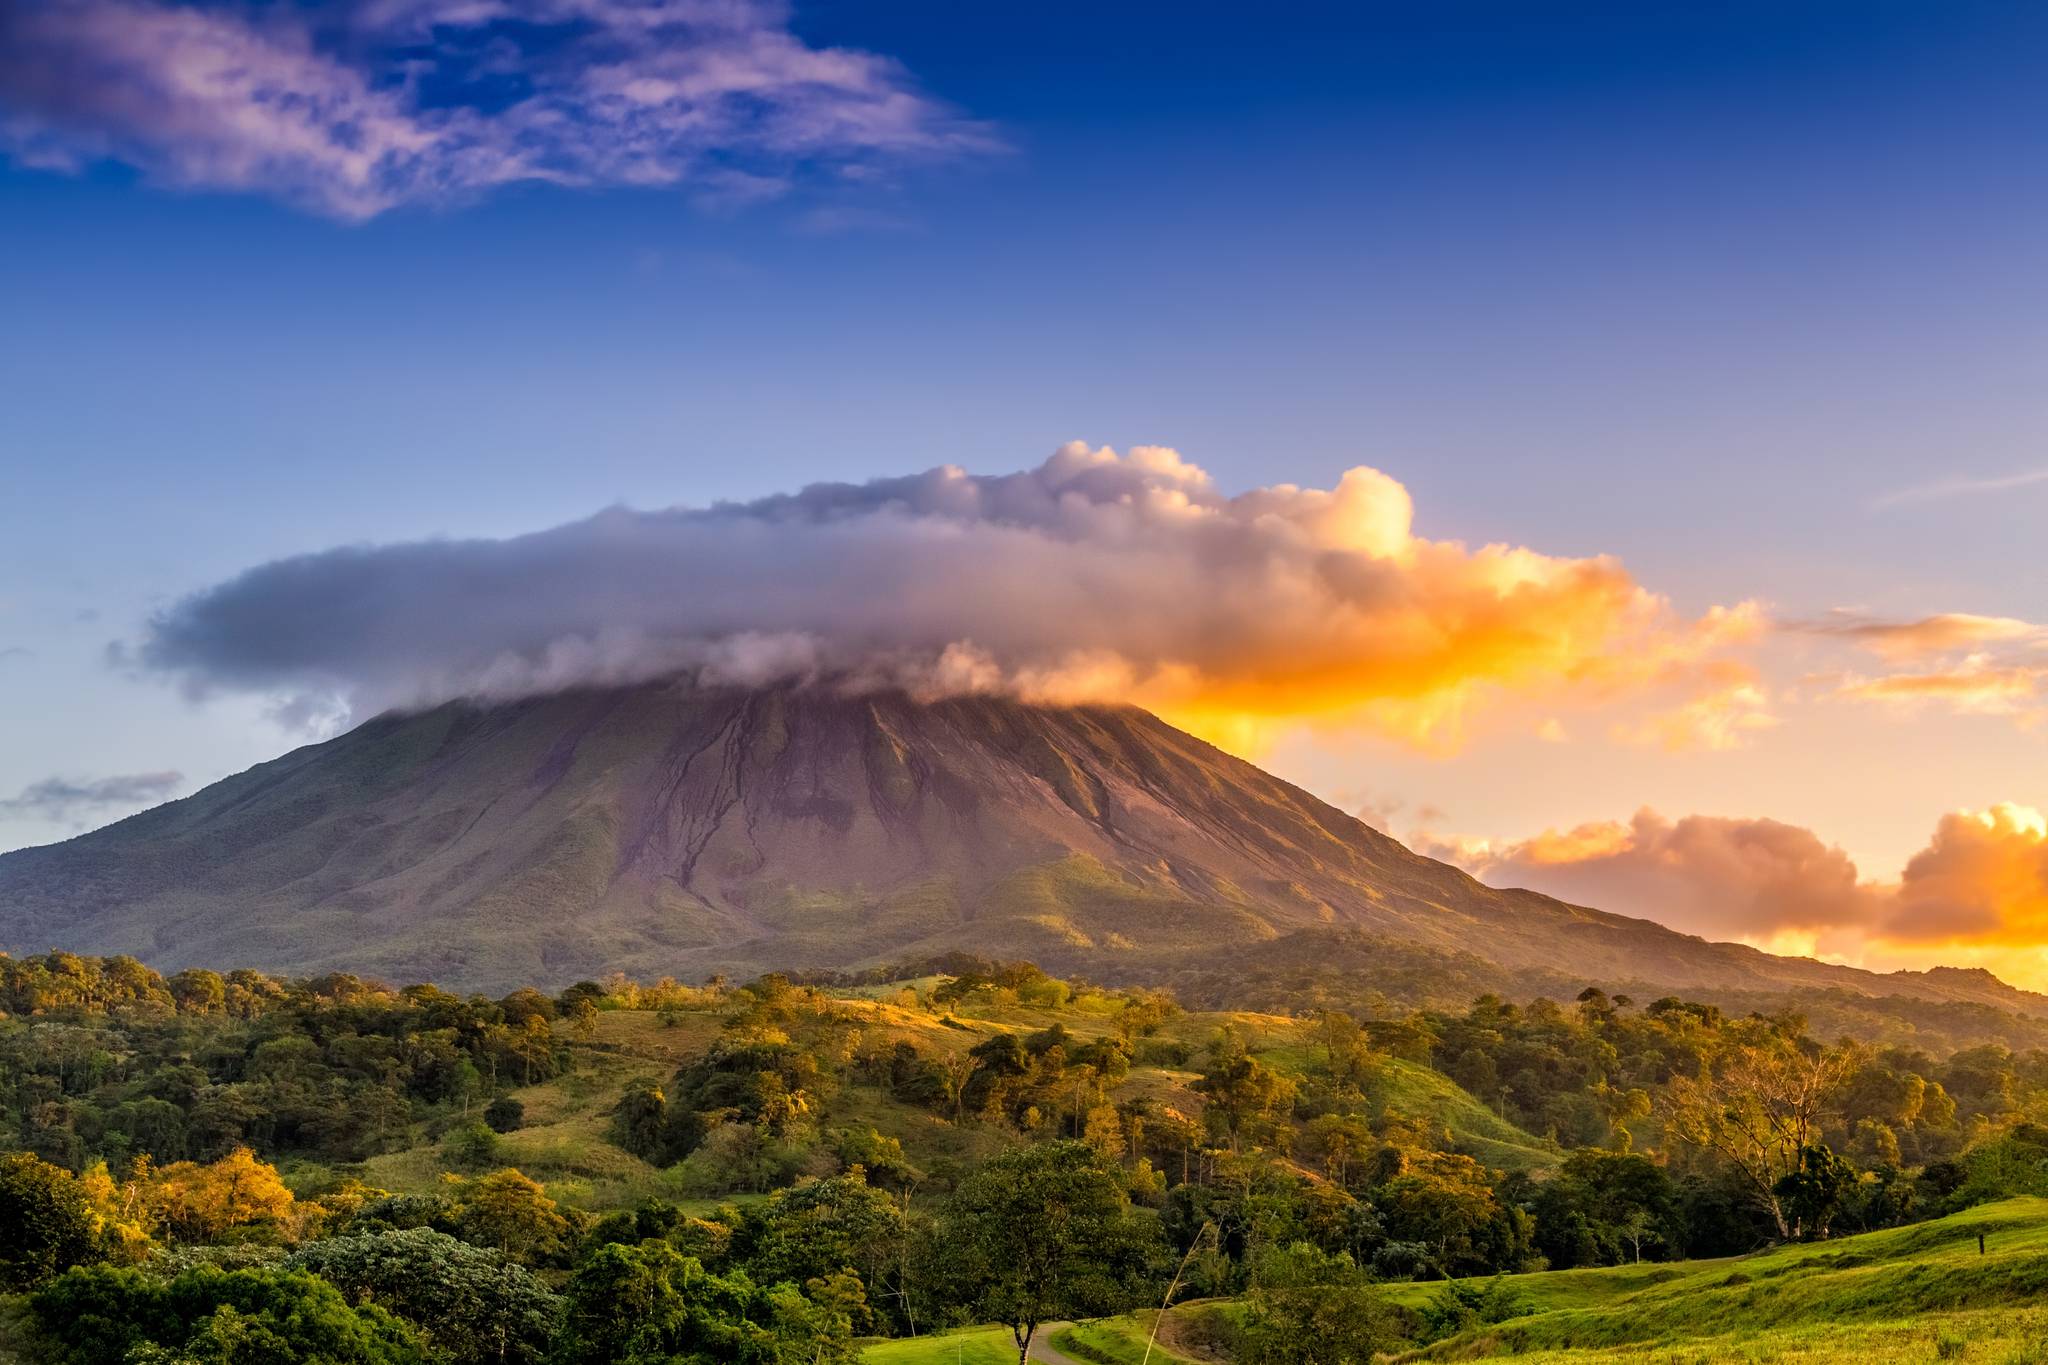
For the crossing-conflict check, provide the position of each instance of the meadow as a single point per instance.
(1919, 1293)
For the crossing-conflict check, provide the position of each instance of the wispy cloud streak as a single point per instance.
(351, 109)
(62, 798)
(1960, 488)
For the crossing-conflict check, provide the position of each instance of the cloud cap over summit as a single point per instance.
(1095, 576)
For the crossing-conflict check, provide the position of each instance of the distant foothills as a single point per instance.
(661, 830)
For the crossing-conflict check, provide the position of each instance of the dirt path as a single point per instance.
(1041, 1345)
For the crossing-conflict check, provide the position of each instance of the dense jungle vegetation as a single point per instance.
(231, 1167)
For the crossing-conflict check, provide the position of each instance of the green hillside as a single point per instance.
(1922, 1292)
(1906, 1294)
(564, 1139)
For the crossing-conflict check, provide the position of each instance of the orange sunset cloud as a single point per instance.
(1977, 894)
(1096, 576)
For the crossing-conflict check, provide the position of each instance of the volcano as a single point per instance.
(669, 830)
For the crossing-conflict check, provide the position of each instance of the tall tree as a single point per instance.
(1758, 1104)
(1042, 1233)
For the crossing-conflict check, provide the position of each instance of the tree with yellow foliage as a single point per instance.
(119, 1208)
(511, 1211)
(195, 1203)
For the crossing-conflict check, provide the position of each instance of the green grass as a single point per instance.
(1882, 1296)
(971, 1346)
(1410, 1088)
(1114, 1341)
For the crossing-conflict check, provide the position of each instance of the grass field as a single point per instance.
(1905, 1294)
(1109, 1341)
(1114, 1341)
(974, 1346)
(1920, 1293)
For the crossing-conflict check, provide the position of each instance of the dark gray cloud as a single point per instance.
(352, 107)
(61, 798)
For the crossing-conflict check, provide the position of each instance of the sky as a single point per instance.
(358, 354)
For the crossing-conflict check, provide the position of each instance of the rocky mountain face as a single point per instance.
(663, 830)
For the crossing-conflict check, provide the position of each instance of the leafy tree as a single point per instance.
(470, 1147)
(652, 1305)
(474, 1304)
(1337, 1142)
(1758, 1105)
(1346, 1050)
(1041, 1233)
(1240, 1089)
(98, 1314)
(1603, 1208)
(816, 1230)
(46, 1222)
(196, 1203)
(1448, 1204)
(645, 1124)
(1307, 1307)
(512, 1212)
(1814, 1193)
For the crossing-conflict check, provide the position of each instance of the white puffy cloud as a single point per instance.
(1095, 576)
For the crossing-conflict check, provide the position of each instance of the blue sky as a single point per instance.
(1703, 287)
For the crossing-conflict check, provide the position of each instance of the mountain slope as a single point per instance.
(663, 830)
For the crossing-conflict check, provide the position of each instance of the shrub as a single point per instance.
(1461, 1305)
(505, 1115)
(1307, 1307)
(472, 1147)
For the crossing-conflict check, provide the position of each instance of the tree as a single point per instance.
(1041, 1233)
(46, 1222)
(475, 1305)
(1347, 1052)
(842, 1224)
(1814, 1193)
(1240, 1089)
(1603, 1208)
(470, 1146)
(1338, 1141)
(1758, 1105)
(1310, 1308)
(652, 1305)
(1445, 1202)
(198, 1203)
(511, 1211)
(955, 1070)
(207, 1316)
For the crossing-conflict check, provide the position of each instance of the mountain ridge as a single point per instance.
(662, 829)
